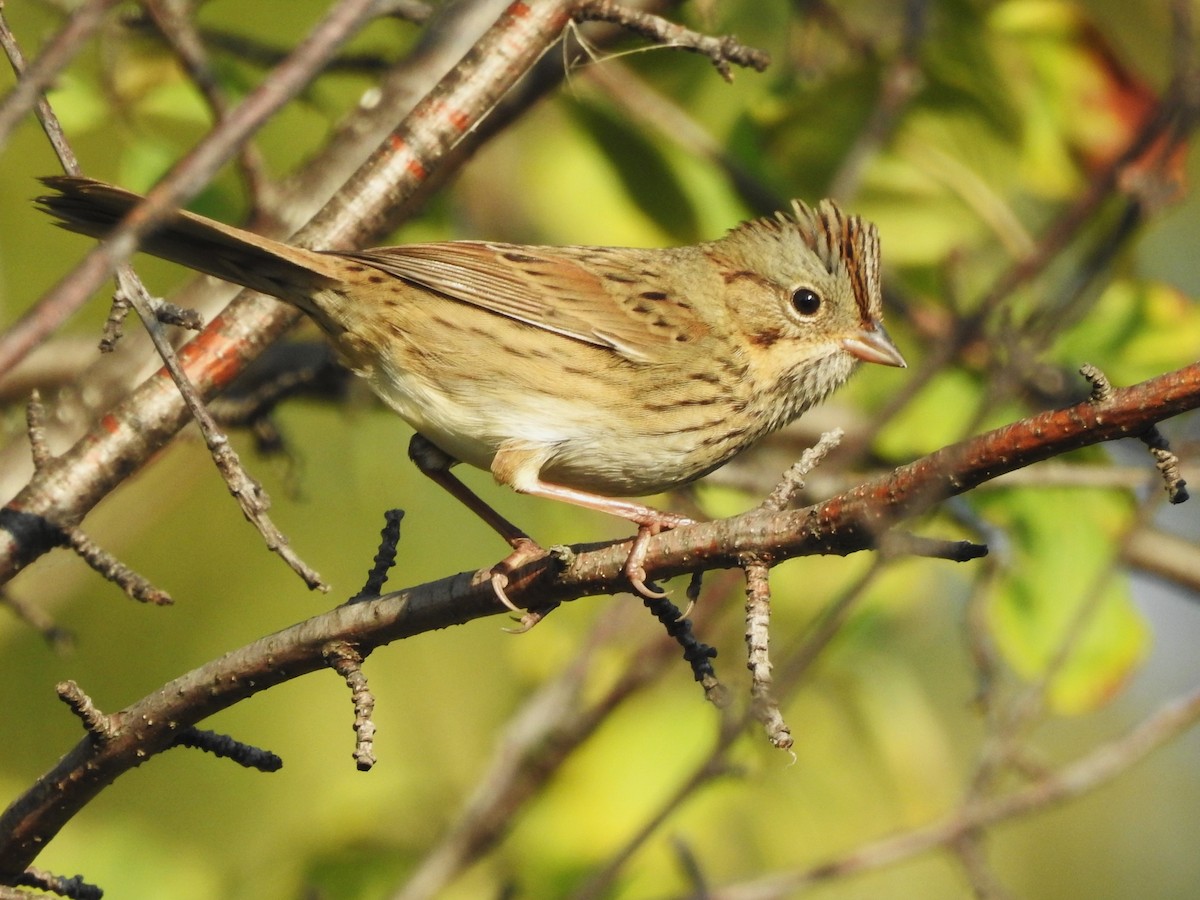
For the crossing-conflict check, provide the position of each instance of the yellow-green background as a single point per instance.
(886, 731)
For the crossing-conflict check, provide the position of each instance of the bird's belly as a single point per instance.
(580, 447)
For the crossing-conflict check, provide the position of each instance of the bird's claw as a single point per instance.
(524, 550)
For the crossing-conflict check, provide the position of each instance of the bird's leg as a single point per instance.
(513, 467)
(435, 463)
(650, 521)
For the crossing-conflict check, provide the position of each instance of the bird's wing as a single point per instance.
(588, 294)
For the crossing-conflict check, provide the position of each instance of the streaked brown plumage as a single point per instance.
(580, 373)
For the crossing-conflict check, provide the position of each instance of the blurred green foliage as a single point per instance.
(1015, 106)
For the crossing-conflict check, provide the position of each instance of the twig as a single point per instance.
(667, 121)
(250, 496)
(969, 851)
(385, 557)
(185, 179)
(898, 543)
(1166, 556)
(74, 888)
(1167, 464)
(721, 51)
(900, 78)
(225, 747)
(697, 653)
(347, 662)
(103, 562)
(792, 482)
(103, 728)
(763, 704)
(35, 427)
(58, 638)
(136, 586)
(1165, 461)
(185, 41)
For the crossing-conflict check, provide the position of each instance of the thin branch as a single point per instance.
(345, 659)
(1166, 556)
(225, 747)
(763, 703)
(185, 179)
(792, 482)
(185, 41)
(250, 495)
(108, 567)
(74, 888)
(385, 557)
(900, 80)
(58, 638)
(104, 563)
(103, 728)
(721, 51)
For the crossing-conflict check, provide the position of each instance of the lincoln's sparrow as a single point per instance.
(577, 373)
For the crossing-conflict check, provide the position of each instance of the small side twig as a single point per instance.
(1167, 464)
(1101, 387)
(136, 586)
(281, 372)
(901, 543)
(108, 566)
(1165, 459)
(249, 494)
(35, 426)
(114, 325)
(764, 705)
(226, 747)
(75, 887)
(99, 725)
(180, 316)
(697, 653)
(720, 50)
(347, 662)
(385, 557)
(792, 481)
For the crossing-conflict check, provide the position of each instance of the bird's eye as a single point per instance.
(806, 301)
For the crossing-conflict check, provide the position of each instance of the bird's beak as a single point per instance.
(872, 344)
